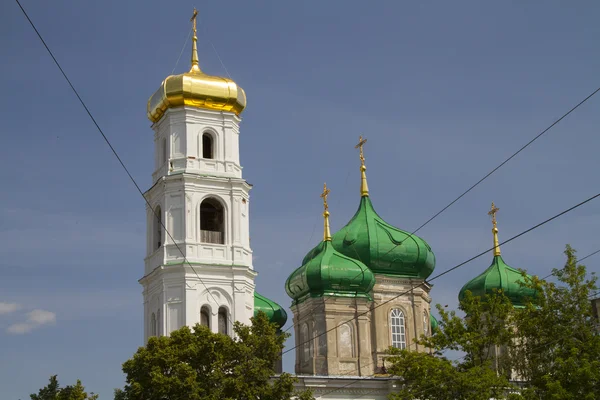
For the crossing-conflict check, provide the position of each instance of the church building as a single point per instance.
(358, 292)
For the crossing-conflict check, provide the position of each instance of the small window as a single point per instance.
(157, 228)
(205, 316)
(153, 325)
(207, 146)
(223, 321)
(426, 323)
(398, 329)
(305, 340)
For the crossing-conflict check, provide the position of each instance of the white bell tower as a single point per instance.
(201, 270)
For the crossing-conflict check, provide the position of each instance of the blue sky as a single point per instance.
(444, 91)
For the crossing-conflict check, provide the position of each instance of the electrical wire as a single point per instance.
(500, 165)
(113, 150)
(455, 267)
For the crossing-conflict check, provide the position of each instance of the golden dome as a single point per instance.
(196, 89)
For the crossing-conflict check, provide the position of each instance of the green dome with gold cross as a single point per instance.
(384, 248)
(329, 272)
(499, 276)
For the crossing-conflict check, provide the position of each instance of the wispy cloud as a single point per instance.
(7, 308)
(35, 319)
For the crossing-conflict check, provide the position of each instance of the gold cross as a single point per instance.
(193, 19)
(361, 143)
(493, 212)
(324, 196)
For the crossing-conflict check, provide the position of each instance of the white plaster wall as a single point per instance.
(185, 274)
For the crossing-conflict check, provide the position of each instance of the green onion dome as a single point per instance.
(329, 273)
(434, 323)
(384, 248)
(499, 276)
(274, 311)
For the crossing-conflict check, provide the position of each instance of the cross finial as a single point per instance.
(492, 213)
(195, 67)
(324, 195)
(193, 20)
(364, 188)
(359, 146)
(326, 230)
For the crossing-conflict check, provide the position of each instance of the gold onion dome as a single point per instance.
(196, 89)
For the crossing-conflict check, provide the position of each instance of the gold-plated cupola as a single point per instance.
(196, 89)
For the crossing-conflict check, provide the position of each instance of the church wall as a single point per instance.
(198, 264)
(338, 343)
(182, 127)
(415, 304)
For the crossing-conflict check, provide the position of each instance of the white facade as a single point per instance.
(201, 270)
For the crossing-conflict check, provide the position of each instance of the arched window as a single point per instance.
(212, 222)
(157, 227)
(305, 340)
(158, 323)
(153, 325)
(398, 329)
(425, 323)
(346, 341)
(223, 321)
(205, 316)
(207, 146)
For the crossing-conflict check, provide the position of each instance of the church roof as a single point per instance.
(196, 89)
(274, 311)
(499, 276)
(384, 248)
(328, 272)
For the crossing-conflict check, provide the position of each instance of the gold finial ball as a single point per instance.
(495, 230)
(363, 168)
(326, 213)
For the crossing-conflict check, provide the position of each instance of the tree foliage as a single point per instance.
(550, 348)
(558, 348)
(430, 375)
(53, 391)
(196, 364)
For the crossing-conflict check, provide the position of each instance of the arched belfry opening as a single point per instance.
(212, 226)
(208, 148)
(157, 242)
(223, 325)
(205, 316)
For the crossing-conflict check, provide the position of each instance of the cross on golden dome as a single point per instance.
(195, 66)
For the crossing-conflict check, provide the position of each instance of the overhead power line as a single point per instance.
(500, 165)
(451, 269)
(87, 110)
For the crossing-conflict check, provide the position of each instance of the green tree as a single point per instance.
(557, 352)
(551, 346)
(196, 363)
(471, 377)
(53, 392)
